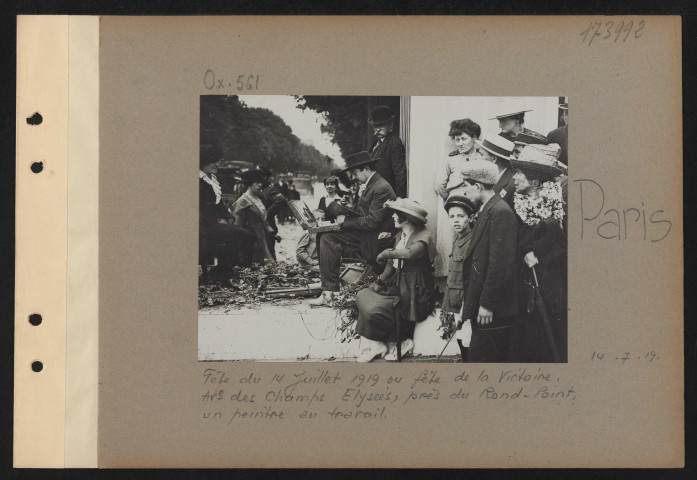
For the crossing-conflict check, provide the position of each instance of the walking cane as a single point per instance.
(542, 309)
(399, 288)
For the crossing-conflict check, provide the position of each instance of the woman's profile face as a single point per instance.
(255, 188)
(507, 124)
(397, 222)
(522, 182)
(464, 143)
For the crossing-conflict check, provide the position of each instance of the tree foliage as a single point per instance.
(256, 135)
(346, 118)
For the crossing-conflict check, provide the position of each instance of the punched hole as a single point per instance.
(36, 167)
(35, 319)
(37, 366)
(35, 119)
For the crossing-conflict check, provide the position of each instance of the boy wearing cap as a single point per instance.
(489, 267)
(459, 209)
(388, 150)
(498, 150)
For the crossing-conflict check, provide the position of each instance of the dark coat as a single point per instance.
(490, 268)
(374, 219)
(248, 216)
(454, 289)
(231, 244)
(391, 162)
(505, 187)
(560, 136)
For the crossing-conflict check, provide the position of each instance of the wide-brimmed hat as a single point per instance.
(460, 201)
(380, 114)
(564, 104)
(358, 160)
(497, 145)
(540, 159)
(408, 207)
(508, 108)
(481, 171)
(252, 176)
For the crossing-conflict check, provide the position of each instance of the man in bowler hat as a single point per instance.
(361, 233)
(489, 267)
(388, 150)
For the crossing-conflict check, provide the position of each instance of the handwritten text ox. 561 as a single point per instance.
(243, 82)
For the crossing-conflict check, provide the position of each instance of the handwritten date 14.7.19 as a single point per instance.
(623, 357)
(613, 30)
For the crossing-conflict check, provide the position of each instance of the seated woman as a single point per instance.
(401, 297)
(538, 203)
(250, 214)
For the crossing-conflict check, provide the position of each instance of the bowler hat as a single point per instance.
(408, 207)
(252, 176)
(460, 201)
(508, 108)
(380, 114)
(481, 171)
(497, 145)
(358, 160)
(540, 159)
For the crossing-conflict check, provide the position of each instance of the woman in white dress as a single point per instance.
(449, 181)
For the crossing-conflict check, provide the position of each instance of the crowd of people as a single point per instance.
(503, 231)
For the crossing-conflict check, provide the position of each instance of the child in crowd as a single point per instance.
(307, 253)
(460, 209)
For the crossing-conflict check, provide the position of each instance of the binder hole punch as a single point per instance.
(37, 366)
(35, 119)
(37, 167)
(35, 319)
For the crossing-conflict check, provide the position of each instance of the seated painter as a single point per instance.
(306, 252)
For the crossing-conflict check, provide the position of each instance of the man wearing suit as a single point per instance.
(361, 233)
(560, 135)
(388, 150)
(510, 114)
(498, 150)
(232, 245)
(489, 267)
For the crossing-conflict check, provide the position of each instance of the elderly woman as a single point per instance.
(448, 180)
(389, 310)
(539, 207)
(250, 213)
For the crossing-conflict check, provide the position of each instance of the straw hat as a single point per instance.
(409, 207)
(564, 105)
(460, 201)
(497, 145)
(481, 171)
(540, 159)
(508, 108)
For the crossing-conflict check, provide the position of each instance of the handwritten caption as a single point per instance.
(329, 393)
(242, 82)
(613, 31)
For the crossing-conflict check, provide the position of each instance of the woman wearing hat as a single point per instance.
(402, 293)
(449, 181)
(459, 209)
(539, 208)
(250, 213)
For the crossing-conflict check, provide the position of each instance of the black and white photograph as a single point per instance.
(383, 229)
